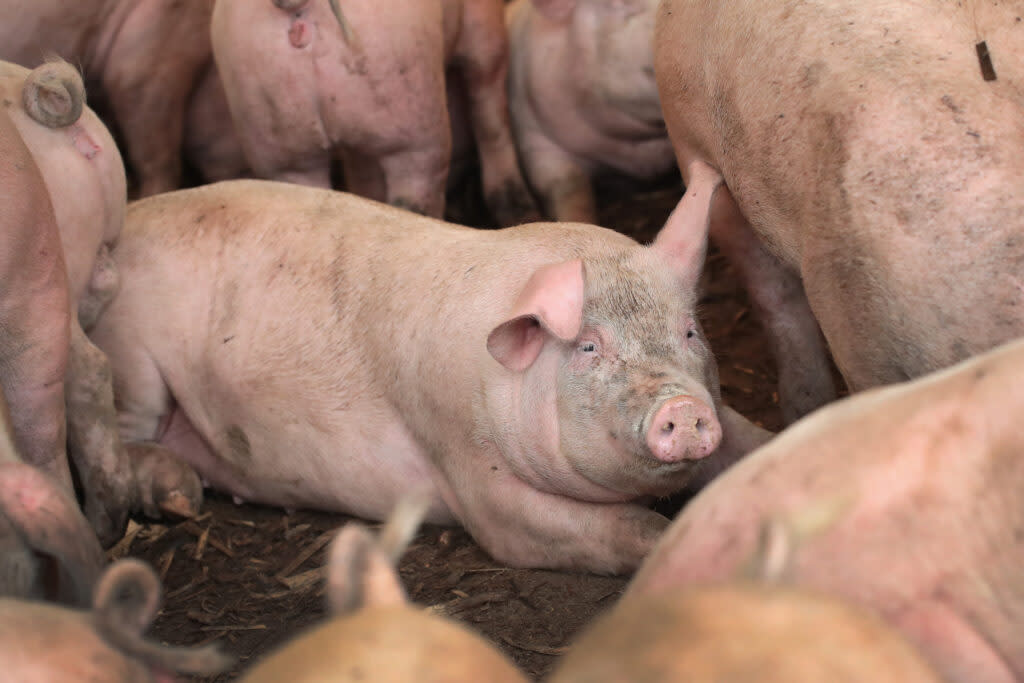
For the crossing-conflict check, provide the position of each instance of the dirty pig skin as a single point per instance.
(869, 163)
(311, 348)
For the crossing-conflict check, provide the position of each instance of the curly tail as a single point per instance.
(54, 94)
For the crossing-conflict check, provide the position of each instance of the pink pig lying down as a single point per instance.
(908, 498)
(305, 347)
(41, 643)
(869, 163)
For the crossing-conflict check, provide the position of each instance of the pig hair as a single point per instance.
(53, 94)
(361, 568)
(125, 602)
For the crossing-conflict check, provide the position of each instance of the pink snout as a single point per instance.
(683, 428)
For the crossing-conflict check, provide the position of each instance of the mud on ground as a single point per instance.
(248, 577)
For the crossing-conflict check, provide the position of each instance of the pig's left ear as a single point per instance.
(684, 238)
(551, 305)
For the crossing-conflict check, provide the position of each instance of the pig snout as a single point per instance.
(683, 428)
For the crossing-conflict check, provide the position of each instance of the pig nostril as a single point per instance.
(669, 427)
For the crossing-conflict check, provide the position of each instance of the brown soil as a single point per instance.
(247, 576)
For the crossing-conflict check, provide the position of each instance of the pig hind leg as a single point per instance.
(777, 294)
(482, 54)
(415, 177)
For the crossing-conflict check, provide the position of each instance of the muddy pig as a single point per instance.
(145, 57)
(84, 183)
(865, 146)
(317, 349)
(583, 98)
(47, 549)
(373, 633)
(41, 642)
(307, 83)
(919, 481)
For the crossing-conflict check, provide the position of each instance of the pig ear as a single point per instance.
(51, 523)
(550, 304)
(684, 238)
(555, 10)
(362, 570)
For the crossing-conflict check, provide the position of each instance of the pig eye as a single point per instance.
(588, 347)
(691, 333)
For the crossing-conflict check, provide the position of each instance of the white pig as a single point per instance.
(305, 347)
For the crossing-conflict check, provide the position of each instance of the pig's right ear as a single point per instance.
(683, 240)
(555, 10)
(551, 304)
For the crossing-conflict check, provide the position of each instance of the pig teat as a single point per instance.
(683, 427)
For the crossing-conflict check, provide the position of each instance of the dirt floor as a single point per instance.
(248, 578)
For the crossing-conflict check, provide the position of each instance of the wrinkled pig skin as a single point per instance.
(741, 633)
(374, 634)
(304, 89)
(316, 349)
(42, 643)
(84, 179)
(861, 144)
(583, 99)
(922, 479)
(39, 523)
(145, 56)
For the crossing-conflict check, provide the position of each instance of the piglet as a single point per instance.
(373, 633)
(916, 489)
(311, 348)
(583, 98)
(42, 642)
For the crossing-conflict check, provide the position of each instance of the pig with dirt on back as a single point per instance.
(908, 501)
(317, 349)
(869, 164)
(308, 81)
(373, 633)
(49, 361)
(145, 56)
(583, 99)
(41, 642)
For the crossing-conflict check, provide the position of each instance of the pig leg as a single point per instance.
(363, 176)
(103, 466)
(482, 53)
(152, 67)
(563, 185)
(415, 177)
(777, 294)
(524, 527)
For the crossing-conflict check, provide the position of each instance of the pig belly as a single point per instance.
(301, 466)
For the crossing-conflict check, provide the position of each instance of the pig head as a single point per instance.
(907, 501)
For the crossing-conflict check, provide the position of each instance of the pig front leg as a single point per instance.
(482, 53)
(777, 294)
(524, 527)
(563, 185)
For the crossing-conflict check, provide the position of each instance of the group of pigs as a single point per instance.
(859, 162)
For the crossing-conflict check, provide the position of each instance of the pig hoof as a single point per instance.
(512, 204)
(238, 500)
(177, 504)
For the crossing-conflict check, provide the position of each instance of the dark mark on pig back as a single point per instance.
(988, 71)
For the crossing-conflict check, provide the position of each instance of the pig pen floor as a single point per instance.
(247, 576)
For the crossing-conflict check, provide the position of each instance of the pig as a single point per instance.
(83, 183)
(741, 633)
(582, 97)
(914, 486)
(144, 56)
(306, 83)
(47, 549)
(43, 642)
(310, 348)
(873, 174)
(373, 633)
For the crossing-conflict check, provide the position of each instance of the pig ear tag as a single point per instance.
(550, 305)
